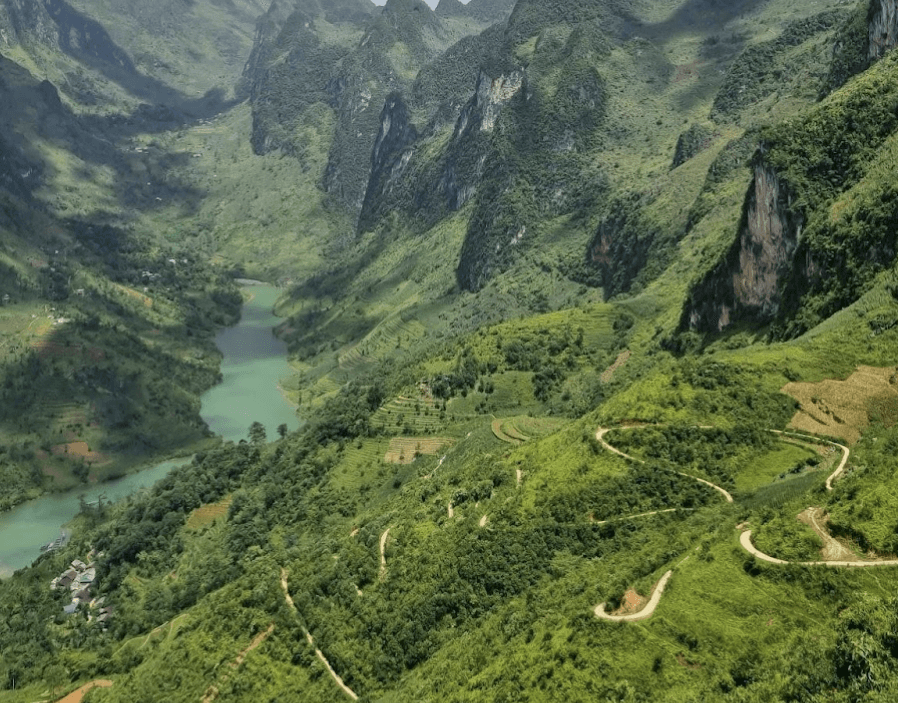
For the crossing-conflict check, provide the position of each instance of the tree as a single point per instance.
(282, 429)
(257, 433)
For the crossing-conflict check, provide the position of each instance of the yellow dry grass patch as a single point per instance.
(608, 374)
(207, 514)
(842, 408)
(137, 295)
(403, 450)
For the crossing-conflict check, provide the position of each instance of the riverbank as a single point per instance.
(254, 361)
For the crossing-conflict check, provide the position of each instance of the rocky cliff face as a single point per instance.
(621, 244)
(883, 28)
(300, 61)
(483, 10)
(393, 150)
(748, 283)
(292, 63)
(26, 20)
(468, 148)
(490, 96)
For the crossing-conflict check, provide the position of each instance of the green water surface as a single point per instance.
(254, 362)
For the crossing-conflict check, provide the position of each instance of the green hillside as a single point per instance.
(593, 312)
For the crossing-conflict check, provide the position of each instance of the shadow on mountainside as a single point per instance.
(32, 113)
(88, 42)
(700, 14)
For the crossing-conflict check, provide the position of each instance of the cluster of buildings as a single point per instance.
(78, 580)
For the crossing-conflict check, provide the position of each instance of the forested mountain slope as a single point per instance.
(106, 345)
(584, 297)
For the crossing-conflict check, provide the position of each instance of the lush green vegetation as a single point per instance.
(471, 574)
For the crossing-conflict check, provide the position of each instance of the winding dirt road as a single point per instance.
(643, 614)
(318, 653)
(745, 541)
(600, 436)
(77, 695)
(630, 517)
(845, 452)
(812, 516)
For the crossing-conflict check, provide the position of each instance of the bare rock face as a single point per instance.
(748, 283)
(883, 28)
(491, 95)
(768, 243)
(468, 147)
(24, 20)
(393, 149)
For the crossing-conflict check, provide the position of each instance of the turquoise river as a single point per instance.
(254, 362)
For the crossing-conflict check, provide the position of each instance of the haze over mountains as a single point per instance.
(556, 276)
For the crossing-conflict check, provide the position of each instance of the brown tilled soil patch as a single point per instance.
(77, 695)
(207, 514)
(683, 661)
(608, 374)
(78, 450)
(140, 297)
(404, 449)
(631, 603)
(843, 408)
(63, 350)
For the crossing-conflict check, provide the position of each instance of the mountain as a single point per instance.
(103, 345)
(342, 65)
(593, 308)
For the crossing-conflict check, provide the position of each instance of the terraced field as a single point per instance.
(207, 514)
(392, 333)
(517, 430)
(404, 450)
(409, 414)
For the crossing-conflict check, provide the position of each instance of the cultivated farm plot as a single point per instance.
(843, 408)
(392, 333)
(142, 298)
(208, 513)
(765, 468)
(22, 326)
(404, 450)
(361, 463)
(417, 414)
(79, 450)
(517, 430)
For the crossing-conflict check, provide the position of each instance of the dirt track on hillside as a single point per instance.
(318, 653)
(77, 695)
(833, 551)
(745, 541)
(600, 436)
(383, 554)
(643, 614)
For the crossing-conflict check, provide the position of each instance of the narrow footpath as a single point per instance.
(318, 653)
(383, 554)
